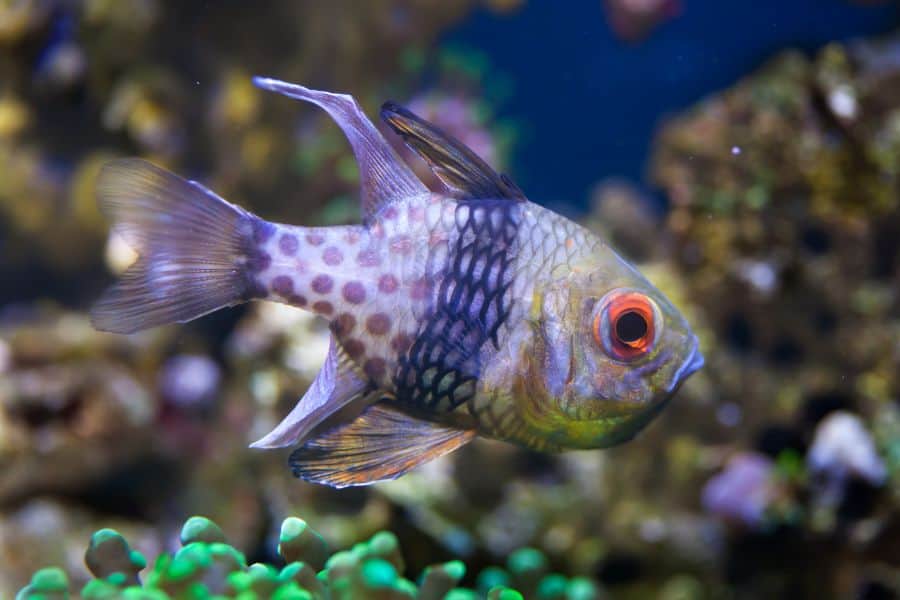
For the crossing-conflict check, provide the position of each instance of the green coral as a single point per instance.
(109, 553)
(47, 584)
(207, 567)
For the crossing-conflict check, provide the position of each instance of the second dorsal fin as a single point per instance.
(383, 176)
(464, 173)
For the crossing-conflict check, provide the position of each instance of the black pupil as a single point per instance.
(631, 327)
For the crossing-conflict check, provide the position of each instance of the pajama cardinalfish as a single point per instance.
(454, 313)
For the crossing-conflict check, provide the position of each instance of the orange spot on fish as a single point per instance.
(419, 289)
(401, 244)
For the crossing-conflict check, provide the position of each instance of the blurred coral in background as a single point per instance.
(633, 20)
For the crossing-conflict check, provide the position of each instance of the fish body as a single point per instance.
(456, 312)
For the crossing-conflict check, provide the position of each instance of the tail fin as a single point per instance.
(193, 247)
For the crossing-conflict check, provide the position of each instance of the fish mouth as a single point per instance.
(693, 363)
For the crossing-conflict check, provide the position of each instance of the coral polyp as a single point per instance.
(207, 567)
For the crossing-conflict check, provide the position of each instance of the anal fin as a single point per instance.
(336, 385)
(382, 443)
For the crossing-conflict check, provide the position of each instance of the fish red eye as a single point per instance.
(625, 325)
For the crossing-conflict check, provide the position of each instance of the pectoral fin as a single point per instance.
(336, 386)
(381, 443)
(464, 173)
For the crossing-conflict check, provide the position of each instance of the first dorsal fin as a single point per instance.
(337, 385)
(381, 443)
(383, 175)
(464, 173)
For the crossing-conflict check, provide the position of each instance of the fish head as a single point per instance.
(609, 350)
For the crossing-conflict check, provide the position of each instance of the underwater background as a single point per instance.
(746, 155)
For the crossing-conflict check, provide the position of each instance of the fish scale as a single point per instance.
(469, 303)
(455, 312)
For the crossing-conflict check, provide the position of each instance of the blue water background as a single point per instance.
(590, 103)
